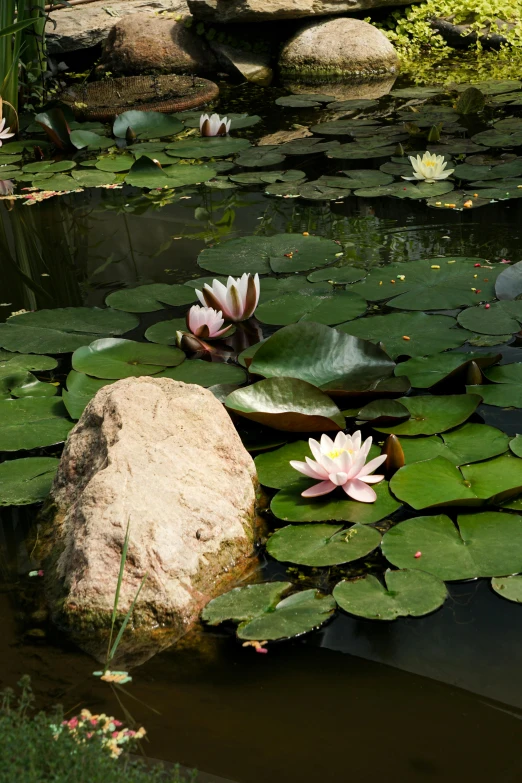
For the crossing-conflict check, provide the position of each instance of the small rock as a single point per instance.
(253, 67)
(141, 44)
(337, 48)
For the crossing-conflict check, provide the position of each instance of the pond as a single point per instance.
(431, 697)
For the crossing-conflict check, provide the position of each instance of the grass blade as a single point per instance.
(118, 586)
(125, 621)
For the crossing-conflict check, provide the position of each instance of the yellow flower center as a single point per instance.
(337, 453)
(429, 163)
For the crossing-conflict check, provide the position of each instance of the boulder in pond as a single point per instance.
(164, 457)
(141, 43)
(338, 48)
(268, 10)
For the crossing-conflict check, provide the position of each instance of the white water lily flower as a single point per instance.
(429, 168)
(237, 300)
(206, 322)
(6, 187)
(4, 134)
(214, 125)
(341, 463)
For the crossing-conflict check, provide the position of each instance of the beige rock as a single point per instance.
(154, 44)
(165, 457)
(353, 89)
(261, 10)
(337, 48)
(83, 26)
(253, 67)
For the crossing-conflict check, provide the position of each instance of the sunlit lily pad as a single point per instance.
(205, 373)
(509, 282)
(432, 414)
(28, 480)
(499, 318)
(33, 422)
(468, 443)
(509, 587)
(293, 616)
(322, 545)
(115, 163)
(515, 445)
(287, 404)
(150, 298)
(501, 395)
(26, 361)
(483, 544)
(407, 593)
(206, 147)
(277, 287)
(146, 124)
(115, 358)
(21, 383)
(80, 390)
(426, 371)
(337, 275)
(244, 603)
(324, 308)
(383, 412)
(93, 179)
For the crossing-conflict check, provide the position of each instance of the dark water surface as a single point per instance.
(431, 699)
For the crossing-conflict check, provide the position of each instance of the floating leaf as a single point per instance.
(322, 545)
(146, 124)
(345, 127)
(93, 179)
(509, 282)
(191, 119)
(483, 544)
(266, 177)
(499, 318)
(20, 383)
(432, 414)
(357, 178)
(324, 308)
(407, 593)
(150, 298)
(244, 603)
(509, 587)
(287, 404)
(407, 190)
(304, 100)
(361, 150)
(25, 481)
(80, 390)
(114, 358)
(31, 423)
(115, 163)
(383, 412)
(337, 275)
(205, 373)
(206, 147)
(426, 371)
(503, 395)
(293, 616)
(267, 155)
(275, 288)
(24, 361)
(313, 191)
(465, 444)
(164, 332)
(515, 445)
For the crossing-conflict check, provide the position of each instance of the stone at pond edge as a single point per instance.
(165, 457)
(141, 43)
(252, 66)
(268, 10)
(336, 48)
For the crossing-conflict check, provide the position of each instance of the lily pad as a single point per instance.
(146, 124)
(313, 191)
(509, 587)
(426, 371)
(21, 383)
(25, 481)
(468, 443)
(206, 147)
(86, 139)
(290, 506)
(515, 445)
(88, 320)
(244, 603)
(164, 332)
(26, 361)
(408, 593)
(116, 163)
(32, 422)
(114, 358)
(238, 121)
(293, 616)
(267, 177)
(383, 412)
(337, 275)
(80, 390)
(322, 545)
(150, 298)
(304, 100)
(266, 155)
(93, 179)
(324, 308)
(483, 544)
(432, 414)
(287, 404)
(205, 373)
(499, 318)
(357, 178)
(144, 173)
(280, 253)
(502, 395)
(361, 150)
(509, 282)
(407, 190)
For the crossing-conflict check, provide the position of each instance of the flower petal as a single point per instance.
(360, 491)
(372, 465)
(305, 469)
(318, 489)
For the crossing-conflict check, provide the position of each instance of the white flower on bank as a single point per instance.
(341, 463)
(429, 168)
(214, 125)
(206, 322)
(4, 134)
(237, 300)
(6, 187)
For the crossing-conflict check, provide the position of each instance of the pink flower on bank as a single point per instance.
(237, 300)
(341, 463)
(4, 134)
(206, 322)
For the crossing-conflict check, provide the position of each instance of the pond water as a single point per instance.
(432, 698)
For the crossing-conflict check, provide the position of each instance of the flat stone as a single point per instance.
(164, 457)
(83, 26)
(253, 67)
(264, 10)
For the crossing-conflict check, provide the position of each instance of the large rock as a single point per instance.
(253, 67)
(266, 10)
(338, 48)
(164, 457)
(140, 43)
(83, 26)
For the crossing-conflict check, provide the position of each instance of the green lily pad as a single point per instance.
(407, 593)
(275, 288)
(88, 320)
(32, 422)
(206, 147)
(436, 482)
(80, 390)
(432, 414)
(499, 318)
(205, 373)
(502, 395)
(509, 282)
(426, 333)
(287, 404)
(86, 139)
(49, 167)
(383, 412)
(344, 127)
(498, 138)
(468, 443)
(483, 544)
(361, 150)
(115, 163)
(337, 275)
(290, 506)
(502, 171)
(146, 124)
(280, 253)
(25, 481)
(407, 190)
(30, 339)
(21, 383)
(267, 177)
(322, 545)
(244, 603)
(93, 179)
(313, 191)
(304, 100)
(358, 178)
(114, 358)
(505, 373)
(150, 298)
(515, 445)
(509, 587)
(144, 173)
(459, 201)
(57, 183)
(426, 371)
(164, 332)
(25, 361)
(489, 341)
(334, 361)
(266, 155)
(293, 616)
(324, 308)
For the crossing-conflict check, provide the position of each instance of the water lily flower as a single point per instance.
(214, 125)
(429, 168)
(206, 322)
(237, 300)
(341, 463)
(4, 134)
(6, 187)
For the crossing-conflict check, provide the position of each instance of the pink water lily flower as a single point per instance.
(206, 322)
(341, 463)
(214, 125)
(4, 134)
(237, 300)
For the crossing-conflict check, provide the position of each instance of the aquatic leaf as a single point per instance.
(304, 100)
(205, 373)
(25, 361)
(502, 395)
(244, 603)
(499, 318)
(425, 371)
(25, 481)
(308, 146)
(509, 282)
(345, 127)
(33, 422)
(498, 138)
(322, 545)
(164, 332)
(91, 320)
(509, 587)
(150, 298)
(407, 593)
(505, 373)
(324, 308)
(21, 383)
(93, 179)
(55, 125)
(115, 358)
(206, 147)
(49, 167)
(432, 414)
(383, 412)
(313, 191)
(357, 178)
(332, 360)
(407, 190)
(502, 171)
(287, 404)
(56, 183)
(489, 341)
(82, 139)
(280, 253)
(361, 150)
(267, 177)
(408, 334)
(337, 275)
(293, 616)
(275, 288)
(146, 124)
(353, 104)
(483, 544)
(115, 163)
(290, 506)
(190, 119)
(30, 339)
(515, 445)
(80, 390)
(468, 443)
(266, 155)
